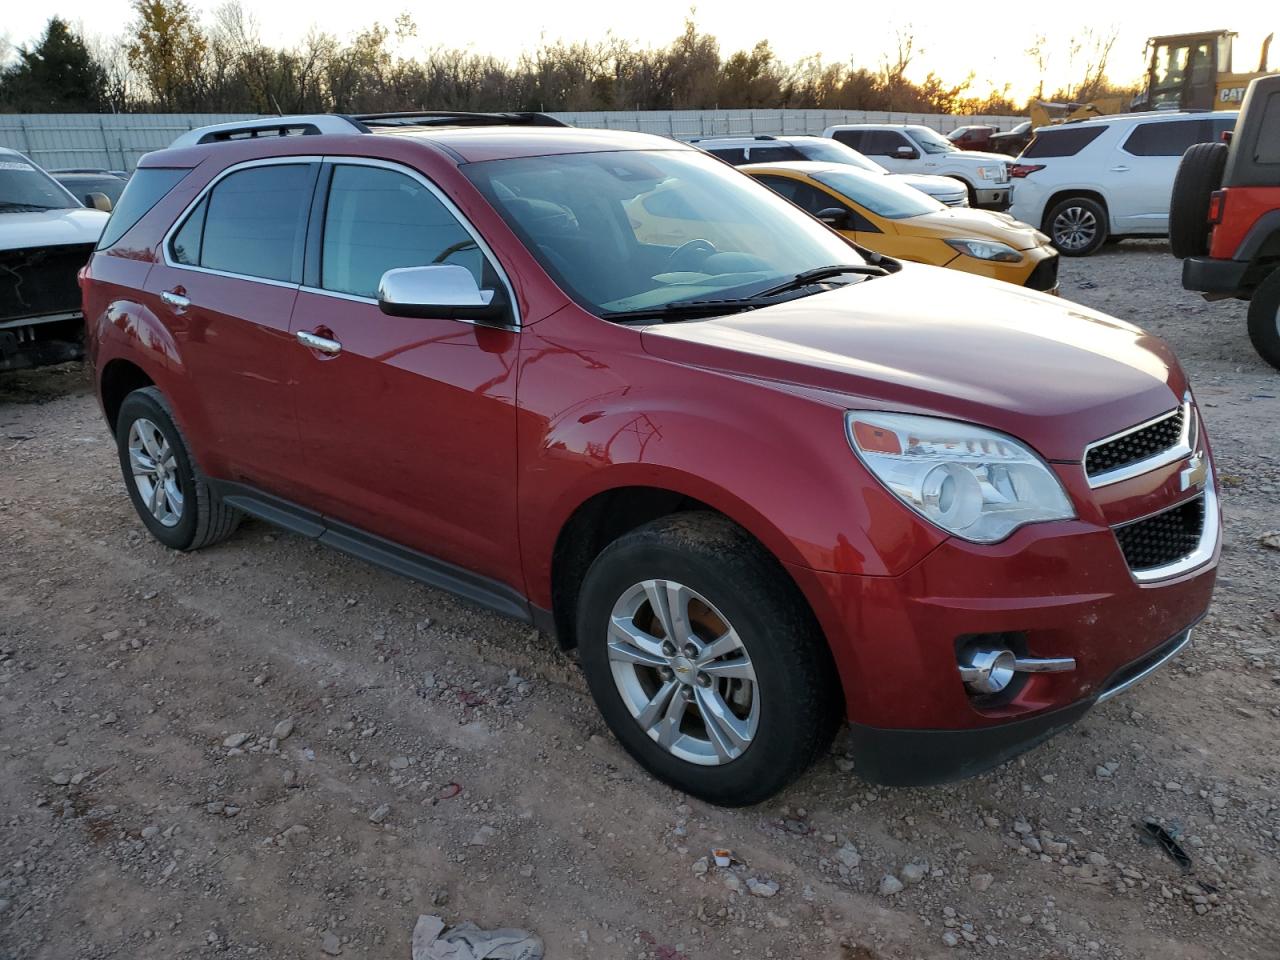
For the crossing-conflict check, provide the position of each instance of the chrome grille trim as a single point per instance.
(1180, 450)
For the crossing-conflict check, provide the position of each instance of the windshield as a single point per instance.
(883, 196)
(931, 141)
(24, 186)
(832, 151)
(632, 230)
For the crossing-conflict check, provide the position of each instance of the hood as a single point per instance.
(21, 230)
(931, 184)
(957, 222)
(927, 340)
(980, 156)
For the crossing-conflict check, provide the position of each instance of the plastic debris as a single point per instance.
(723, 858)
(466, 941)
(1153, 830)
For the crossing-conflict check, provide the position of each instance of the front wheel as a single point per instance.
(1077, 226)
(1264, 319)
(704, 660)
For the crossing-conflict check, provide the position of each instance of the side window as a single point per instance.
(735, 155)
(145, 189)
(1063, 141)
(850, 138)
(773, 154)
(185, 246)
(804, 195)
(376, 220)
(1267, 149)
(1167, 139)
(254, 223)
(884, 143)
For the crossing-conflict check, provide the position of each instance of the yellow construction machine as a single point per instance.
(1185, 71)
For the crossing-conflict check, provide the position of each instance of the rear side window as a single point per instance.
(143, 191)
(735, 155)
(850, 138)
(1169, 139)
(1061, 141)
(377, 220)
(1268, 149)
(252, 223)
(883, 143)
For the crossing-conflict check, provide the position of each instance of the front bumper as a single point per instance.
(994, 198)
(1211, 275)
(912, 758)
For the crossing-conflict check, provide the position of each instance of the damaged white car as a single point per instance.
(46, 236)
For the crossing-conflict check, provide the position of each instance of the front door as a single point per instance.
(408, 430)
(225, 287)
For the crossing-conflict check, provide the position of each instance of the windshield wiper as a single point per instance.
(14, 205)
(817, 274)
(688, 309)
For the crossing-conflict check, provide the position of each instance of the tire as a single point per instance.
(723, 578)
(1264, 318)
(189, 515)
(1077, 226)
(1199, 174)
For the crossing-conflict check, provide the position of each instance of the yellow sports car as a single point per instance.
(901, 222)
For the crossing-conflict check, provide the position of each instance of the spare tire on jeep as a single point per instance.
(1199, 174)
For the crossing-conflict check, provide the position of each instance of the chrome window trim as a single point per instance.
(1203, 551)
(454, 212)
(1146, 672)
(1179, 451)
(181, 220)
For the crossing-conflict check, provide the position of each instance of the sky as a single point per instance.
(986, 38)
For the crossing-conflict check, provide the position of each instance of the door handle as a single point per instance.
(175, 301)
(315, 342)
(1120, 169)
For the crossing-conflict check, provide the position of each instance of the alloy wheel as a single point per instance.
(154, 467)
(1075, 228)
(683, 673)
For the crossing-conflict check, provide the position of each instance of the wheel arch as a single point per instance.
(1066, 193)
(119, 378)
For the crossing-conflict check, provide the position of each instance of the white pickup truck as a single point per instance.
(909, 148)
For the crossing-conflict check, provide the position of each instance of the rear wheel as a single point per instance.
(704, 660)
(172, 498)
(1199, 174)
(1077, 226)
(1264, 319)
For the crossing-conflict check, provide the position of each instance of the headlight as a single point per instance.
(974, 483)
(986, 250)
(994, 172)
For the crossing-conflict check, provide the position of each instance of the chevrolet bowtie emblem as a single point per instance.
(1195, 474)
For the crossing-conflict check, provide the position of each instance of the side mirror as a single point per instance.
(99, 201)
(906, 153)
(836, 217)
(444, 291)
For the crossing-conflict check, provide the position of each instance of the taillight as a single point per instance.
(1226, 136)
(1022, 169)
(1217, 203)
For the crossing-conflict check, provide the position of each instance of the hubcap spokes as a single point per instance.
(1075, 228)
(155, 472)
(683, 672)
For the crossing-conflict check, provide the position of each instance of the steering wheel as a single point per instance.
(689, 246)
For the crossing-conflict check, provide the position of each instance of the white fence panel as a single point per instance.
(116, 141)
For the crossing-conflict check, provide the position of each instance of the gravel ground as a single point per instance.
(268, 749)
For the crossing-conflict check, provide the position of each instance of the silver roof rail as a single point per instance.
(313, 124)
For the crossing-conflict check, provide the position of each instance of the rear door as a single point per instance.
(225, 288)
(1140, 176)
(408, 432)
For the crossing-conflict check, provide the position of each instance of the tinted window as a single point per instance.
(1065, 141)
(377, 220)
(1169, 139)
(774, 154)
(850, 138)
(185, 246)
(883, 143)
(800, 193)
(734, 155)
(257, 220)
(1268, 147)
(886, 196)
(141, 193)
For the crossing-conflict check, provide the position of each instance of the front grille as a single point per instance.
(40, 281)
(1141, 444)
(1045, 275)
(1163, 538)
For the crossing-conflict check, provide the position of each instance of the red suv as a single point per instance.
(760, 478)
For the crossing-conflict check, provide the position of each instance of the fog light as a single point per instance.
(988, 669)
